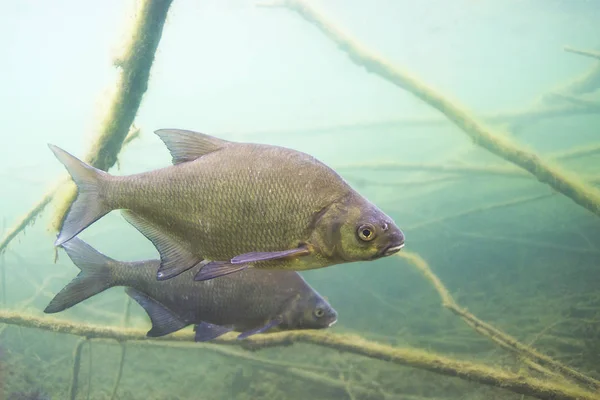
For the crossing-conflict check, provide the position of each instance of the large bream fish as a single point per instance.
(252, 301)
(228, 206)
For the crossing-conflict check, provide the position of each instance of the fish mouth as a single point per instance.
(332, 323)
(393, 249)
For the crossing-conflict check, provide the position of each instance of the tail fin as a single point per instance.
(94, 278)
(88, 206)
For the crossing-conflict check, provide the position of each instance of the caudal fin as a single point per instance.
(88, 206)
(95, 276)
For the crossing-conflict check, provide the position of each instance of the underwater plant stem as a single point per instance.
(135, 66)
(581, 193)
(76, 368)
(428, 361)
(490, 331)
(533, 114)
(89, 383)
(440, 168)
(587, 53)
(3, 268)
(113, 395)
(476, 210)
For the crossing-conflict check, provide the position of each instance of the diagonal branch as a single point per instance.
(564, 182)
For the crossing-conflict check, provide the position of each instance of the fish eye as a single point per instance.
(319, 312)
(366, 232)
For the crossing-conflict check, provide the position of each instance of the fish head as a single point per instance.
(309, 311)
(357, 230)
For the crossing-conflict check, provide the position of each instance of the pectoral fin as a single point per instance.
(269, 255)
(164, 321)
(174, 258)
(206, 331)
(272, 323)
(215, 269)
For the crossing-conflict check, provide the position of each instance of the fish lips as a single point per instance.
(392, 249)
(332, 322)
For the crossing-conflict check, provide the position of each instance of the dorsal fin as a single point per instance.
(186, 146)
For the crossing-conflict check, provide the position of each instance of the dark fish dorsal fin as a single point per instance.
(174, 258)
(206, 331)
(164, 321)
(186, 146)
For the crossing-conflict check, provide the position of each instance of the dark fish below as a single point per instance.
(228, 206)
(252, 301)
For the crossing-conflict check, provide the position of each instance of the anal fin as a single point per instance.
(215, 269)
(206, 331)
(164, 321)
(174, 258)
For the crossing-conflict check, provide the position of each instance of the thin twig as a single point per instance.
(75, 369)
(587, 53)
(119, 370)
(89, 383)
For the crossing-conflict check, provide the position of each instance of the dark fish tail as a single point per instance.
(89, 205)
(95, 276)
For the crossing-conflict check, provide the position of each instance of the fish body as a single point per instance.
(228, 205)
(251, 301)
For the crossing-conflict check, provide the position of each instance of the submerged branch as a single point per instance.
(586, 53)
(133, 83)
(564, 182)
(116, 131)
(533, 114)
(432, 362)
(501, 338)
(453, 169)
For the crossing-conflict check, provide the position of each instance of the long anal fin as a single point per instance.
(164, 321)
(187, 146)
(271, 324)
(174, 258)
(215, 269)
(206, 331)
(272, 255)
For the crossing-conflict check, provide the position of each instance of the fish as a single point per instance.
(251, 302)
(229, 206)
